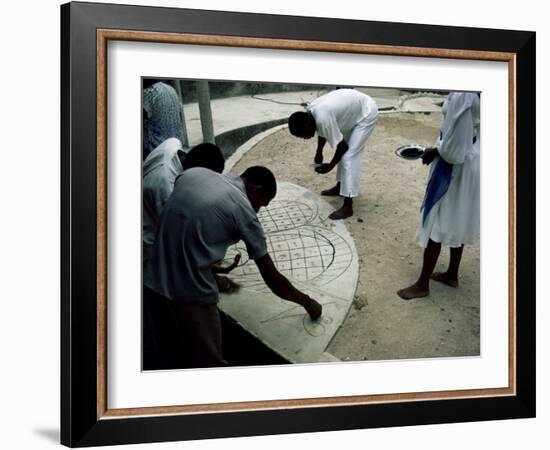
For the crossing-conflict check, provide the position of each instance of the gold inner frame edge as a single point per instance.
(103, 36)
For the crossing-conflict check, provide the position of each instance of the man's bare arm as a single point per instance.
(341, 148)
(321, 141)
(283, 288)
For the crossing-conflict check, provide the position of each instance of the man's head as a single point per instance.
(302, 124)
(260, 185)
(205, 155)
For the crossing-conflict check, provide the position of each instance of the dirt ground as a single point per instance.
(380, 325)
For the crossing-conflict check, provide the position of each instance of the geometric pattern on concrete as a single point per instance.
(317, 255)
(305, 254)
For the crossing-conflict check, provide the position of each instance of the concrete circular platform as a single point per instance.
(319, 258)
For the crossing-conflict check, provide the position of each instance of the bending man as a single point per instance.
(206, 213)
(345, 118)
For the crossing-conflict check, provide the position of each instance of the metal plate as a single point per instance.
(410, 151)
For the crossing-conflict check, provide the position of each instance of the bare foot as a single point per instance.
(332, 192)
(413, 291)
(443, 277)
(342, 213)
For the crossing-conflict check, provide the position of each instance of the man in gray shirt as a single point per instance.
(205, 214)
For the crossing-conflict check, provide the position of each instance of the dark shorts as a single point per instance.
(179, 335)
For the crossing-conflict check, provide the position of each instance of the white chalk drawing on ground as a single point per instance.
(286, 214)
(316, 255)
(305, 254)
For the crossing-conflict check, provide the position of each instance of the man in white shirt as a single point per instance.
(345, 118)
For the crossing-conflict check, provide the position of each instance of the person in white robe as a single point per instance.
(160, 170)
(450, 211)
(345, 118)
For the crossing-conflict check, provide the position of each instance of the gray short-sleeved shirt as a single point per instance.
(205, 214)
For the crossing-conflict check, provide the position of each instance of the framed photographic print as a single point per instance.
(278, 224)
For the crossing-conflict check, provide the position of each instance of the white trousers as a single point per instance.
(348, 173)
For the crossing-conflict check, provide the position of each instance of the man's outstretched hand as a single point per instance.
(314, 309)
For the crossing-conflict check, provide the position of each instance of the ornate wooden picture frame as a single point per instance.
(86, 418)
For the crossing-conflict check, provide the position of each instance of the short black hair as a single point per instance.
(263, 178)
(297, 122)
(205, 155)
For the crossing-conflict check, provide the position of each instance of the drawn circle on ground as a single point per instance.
(310, 254)
(316, 328)
(285, 214)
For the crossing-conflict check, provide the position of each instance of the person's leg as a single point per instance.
(160, 334)
(149, 342)
(349, 173)
(333, 191)
(349, 167)
(422, 286)
(450, 277)
(201, 331)
(347, 187)
(345, 211)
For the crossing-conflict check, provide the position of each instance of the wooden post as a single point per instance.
(203, 94)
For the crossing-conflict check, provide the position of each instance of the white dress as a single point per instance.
(454, 219)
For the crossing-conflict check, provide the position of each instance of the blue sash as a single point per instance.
(438, 185)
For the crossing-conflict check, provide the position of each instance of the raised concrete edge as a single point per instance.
(248, 145)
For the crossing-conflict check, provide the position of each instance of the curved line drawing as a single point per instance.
(282, 315)
(316, 329)
(329, 243)
(309, 254)
(321, 293)
(287, 214)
